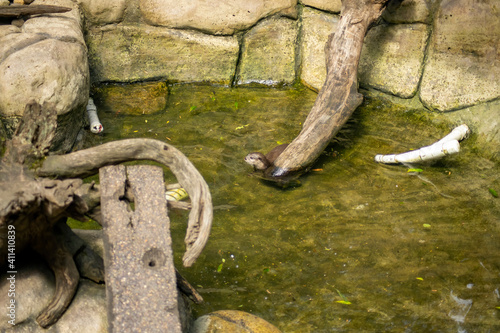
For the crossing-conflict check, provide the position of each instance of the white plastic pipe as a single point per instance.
(446, 146)
(95, 124)
(459, 133)
(433, 152)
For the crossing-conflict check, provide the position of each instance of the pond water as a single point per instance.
(359, 246)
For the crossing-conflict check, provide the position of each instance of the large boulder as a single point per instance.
(45, 60)
(232, 321)
(392, 58)
(316, 27)
(223, 17)
(268, 53)
(463, 65)
(104, 12)
(408, 11)
(127, 53)
(333, 6)
(132, 99)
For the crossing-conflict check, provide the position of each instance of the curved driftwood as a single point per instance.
(339, 95)
(87, 162)
(20, 10)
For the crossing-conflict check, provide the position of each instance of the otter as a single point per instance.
(263, 162)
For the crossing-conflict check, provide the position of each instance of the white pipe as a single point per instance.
(459, 133)
(446, 146)
(95, 124)
(433, 152)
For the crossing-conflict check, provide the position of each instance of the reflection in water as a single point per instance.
(461, 310)
(387, 242)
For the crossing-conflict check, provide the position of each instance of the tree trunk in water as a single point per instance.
(339, 95)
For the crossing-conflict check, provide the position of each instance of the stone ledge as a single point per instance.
(123, 53)
(392, 58)
(268, 53)
(225, 17)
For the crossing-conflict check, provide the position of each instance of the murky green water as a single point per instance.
(348, 250)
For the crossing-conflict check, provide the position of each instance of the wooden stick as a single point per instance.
(20, 10)
(339, 97)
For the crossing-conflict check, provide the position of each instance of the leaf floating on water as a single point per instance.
(344, 299)
(415, 170)
(220, 268)
(241, 127)
(419, 278)
(425, 225)
(493, 192)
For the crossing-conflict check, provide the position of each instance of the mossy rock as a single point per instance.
(232, 321)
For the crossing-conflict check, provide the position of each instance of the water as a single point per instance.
(359, 246)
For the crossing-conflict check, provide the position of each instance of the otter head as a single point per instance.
(258, 161)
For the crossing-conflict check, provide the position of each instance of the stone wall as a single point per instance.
(446, 53)
(443, 55)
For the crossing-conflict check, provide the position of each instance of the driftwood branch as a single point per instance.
(20, 10)
(339, 97)
(32, 207)
(35, 206)
(30, 140)
(87, 162)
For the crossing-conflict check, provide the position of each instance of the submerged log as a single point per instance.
(20, 10)
(339, 97)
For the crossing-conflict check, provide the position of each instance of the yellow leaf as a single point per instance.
(242, 127)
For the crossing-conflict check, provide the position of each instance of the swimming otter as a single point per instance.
(262, 162)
